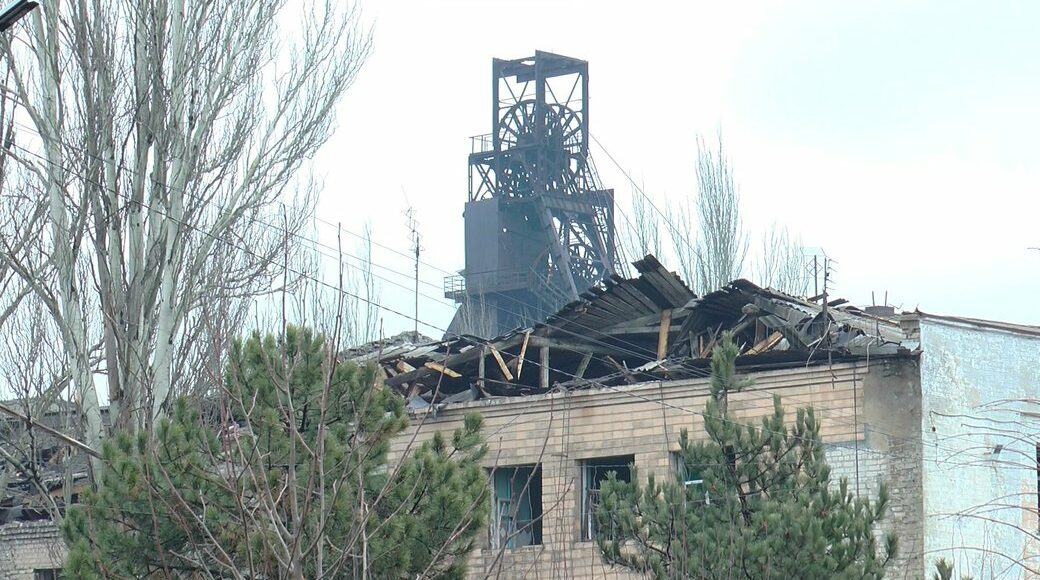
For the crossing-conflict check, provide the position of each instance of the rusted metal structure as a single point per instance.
(539, 226)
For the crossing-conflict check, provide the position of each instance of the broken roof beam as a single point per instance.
(649, 324)
(454, 361)
(767, 343)
(786, 319)
(622, 369)
(575, 345)
(442, 369)
(501, 362)
(662, 334)
(795, 338)
(583, 366)
(543, 361)
(523, 353)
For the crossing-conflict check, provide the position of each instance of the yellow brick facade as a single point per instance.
(560, 430)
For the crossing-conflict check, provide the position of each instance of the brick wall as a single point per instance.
(563, 429)
(28, 546)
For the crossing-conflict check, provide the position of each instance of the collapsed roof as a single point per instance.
(651, 327)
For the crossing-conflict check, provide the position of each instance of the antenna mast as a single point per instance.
(415, 238)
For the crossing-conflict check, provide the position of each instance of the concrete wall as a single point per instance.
(980, 504)
(864, 410)
(29, 546)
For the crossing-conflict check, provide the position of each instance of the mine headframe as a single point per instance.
(539, 226)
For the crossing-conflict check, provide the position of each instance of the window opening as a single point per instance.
(516, 511)
(594, 473)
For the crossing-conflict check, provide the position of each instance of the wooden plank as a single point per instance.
(583, 366)
(621, 368)
(543, 360)
(404, 367)
(655, 294)
(622, 308)
(680, 292)
(523, 353)
(574, 345)
(645, 301)
(442, 369)
(647, 324)
(610, 304)
(501, 363)
(766, 343)
(454, 360)
(627, 296)
(662, 289)
(662, 335)
(481, 371)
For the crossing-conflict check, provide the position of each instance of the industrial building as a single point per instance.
(589, 372)
(943, 409)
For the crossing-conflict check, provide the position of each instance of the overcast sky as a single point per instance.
(900, 137)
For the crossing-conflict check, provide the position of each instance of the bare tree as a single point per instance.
(33, 380)
(644, 236)
(682, 232)
(721, 245)
(709, 242)
(781, 265)
(164, 141)
(363, 313)
(478, 317)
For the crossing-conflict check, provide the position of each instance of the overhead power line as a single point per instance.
(304, 275)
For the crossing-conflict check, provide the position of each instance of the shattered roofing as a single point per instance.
(620, 300)
(650, 327)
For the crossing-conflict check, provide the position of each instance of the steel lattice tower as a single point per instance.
(539, 227)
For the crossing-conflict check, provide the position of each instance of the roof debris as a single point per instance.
(651, 327)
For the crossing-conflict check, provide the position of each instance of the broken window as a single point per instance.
(691, 478)
(593, 473)
(516, 514)
(46, 574)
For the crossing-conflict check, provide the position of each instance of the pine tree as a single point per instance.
(747, 502)
(944, 571)
(287, 478)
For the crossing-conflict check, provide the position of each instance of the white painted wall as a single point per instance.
(980, 506)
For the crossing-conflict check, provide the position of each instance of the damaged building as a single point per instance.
(610, 380)
(41, 474)
(943, 409)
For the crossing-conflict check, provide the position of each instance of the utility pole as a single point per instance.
(826, 319)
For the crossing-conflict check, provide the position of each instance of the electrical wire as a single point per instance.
(355, 296)
(636, 350)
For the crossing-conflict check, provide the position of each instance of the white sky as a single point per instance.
(898, 136)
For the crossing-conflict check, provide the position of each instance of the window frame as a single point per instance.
(590, 486)
(688, 480)
(524, 483)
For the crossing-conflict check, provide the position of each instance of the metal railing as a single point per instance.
(481, 143)
(455, 287)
